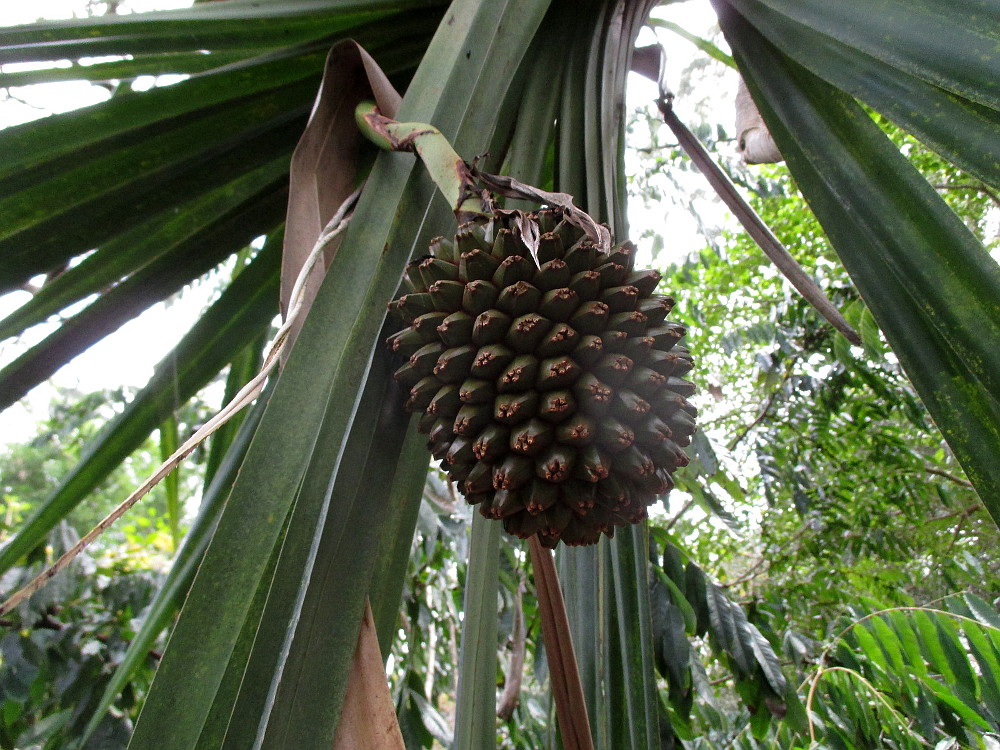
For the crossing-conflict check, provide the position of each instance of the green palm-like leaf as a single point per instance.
(233, 25)
(922, 663)
(330, 359)
(930, 284)
(171, 594)
(951, 102)
(475, 721)
(181, 264)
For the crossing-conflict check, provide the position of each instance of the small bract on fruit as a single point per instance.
(551, 383)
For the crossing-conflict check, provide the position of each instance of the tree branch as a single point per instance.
(752, 571)
(948, 476)
(765, 409)
(753, 224)
(970, 186)
(678, 514)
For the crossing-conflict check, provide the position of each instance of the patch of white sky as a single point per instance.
(678, 210)
(129, 355)
(25, 103)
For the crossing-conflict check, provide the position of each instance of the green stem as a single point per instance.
(449, 171)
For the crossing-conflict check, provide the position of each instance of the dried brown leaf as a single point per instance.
(511, 188)
(368, 716)
(567, 690)
(324, 164)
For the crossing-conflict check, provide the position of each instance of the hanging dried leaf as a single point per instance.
(324, 165)
(508, 187)
(752, 136)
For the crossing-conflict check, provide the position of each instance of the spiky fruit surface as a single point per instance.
(551, 384)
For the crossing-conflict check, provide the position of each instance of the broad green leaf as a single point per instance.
(411, 721)
(954, 651)
(298, 650)
(705, 453)
(926, 715)
(890, 644)
(724, 630)
(244, 366)
(698, 488)
(902, 624)
(949, 101)
(679, 600)
(169, 442)
(876, 661)
(768, 660)
(931, 646)
(174, 588)
(329, 359)
(386, 588)
(696, 592)
(674, 557)
(433, 720)
(240, 24)
(137, 248)
(947, 45)
(988, 680)
(219, 715)
(113, 193)
(982, 611)
(929, 283)
(967, 714)
(187, 260)
(631, 582)
(676, 650)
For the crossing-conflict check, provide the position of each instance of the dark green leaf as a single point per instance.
(929, 283)
(475, 720)
(174, 588)
(950, 102)
(768, 660)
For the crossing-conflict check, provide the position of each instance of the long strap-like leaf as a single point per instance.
(248, 305)
(753, 225)
(930, 284)
(937, 104)
(174, 588)
(475, 714)
(302, 438)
